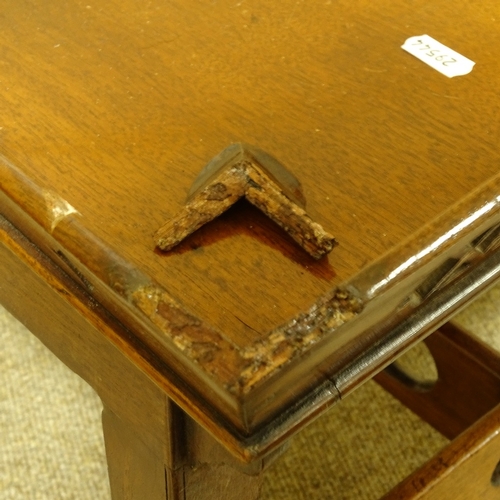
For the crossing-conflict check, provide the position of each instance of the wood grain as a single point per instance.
(243, 171)
(467, 388)
(461, 471)
(108, 112)
(134, 471)
(153, 447)
(114, 108)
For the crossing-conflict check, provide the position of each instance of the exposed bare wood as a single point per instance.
(236, 173)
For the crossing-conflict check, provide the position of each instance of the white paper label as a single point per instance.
(438, 56)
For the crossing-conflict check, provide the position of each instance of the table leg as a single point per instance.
(211, 473)
(155, 451)
(190, 465)
(134, 470)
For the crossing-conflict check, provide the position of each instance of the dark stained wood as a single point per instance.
(109, 110)
(153, 448)
(468, 384)
(205, 482)
(461, 471)
(211, 473)
(193, 466)
(80, 333)
(125, 374)
(102, 202)
(138, 99)
(134, 471)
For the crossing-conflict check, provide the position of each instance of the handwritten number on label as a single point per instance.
(447, 63)
(438, 56)
(432, 53)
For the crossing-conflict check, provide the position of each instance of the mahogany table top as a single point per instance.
(110, 110)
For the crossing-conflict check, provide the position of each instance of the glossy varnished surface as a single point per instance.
(110, 111)
(117, 108)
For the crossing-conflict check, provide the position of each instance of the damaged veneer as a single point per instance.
(244, 171)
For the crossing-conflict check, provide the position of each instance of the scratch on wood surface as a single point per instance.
(375, 70)
(446, 96)
(158, 43)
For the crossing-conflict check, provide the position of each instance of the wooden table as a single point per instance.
(216, 352)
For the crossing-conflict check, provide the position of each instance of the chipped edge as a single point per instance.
(57, 209)
(286, 342)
